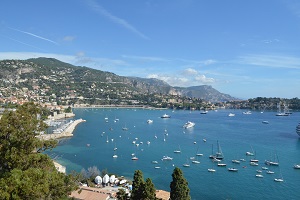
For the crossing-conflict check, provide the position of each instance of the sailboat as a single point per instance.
(280, 179)
(219, 154)
(107, 139)
(198, 154)
(187, 164)
(115, 155)
(280, 113)
(125, 128)
(250, 153)
(211, 169)
(178, 150)
(273, 162)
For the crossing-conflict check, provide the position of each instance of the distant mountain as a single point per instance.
(206, 92)
(63, 79)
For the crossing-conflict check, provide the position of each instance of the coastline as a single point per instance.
(68, 132)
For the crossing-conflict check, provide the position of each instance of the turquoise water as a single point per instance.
(236, 135)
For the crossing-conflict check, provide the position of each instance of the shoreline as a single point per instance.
(68, 132)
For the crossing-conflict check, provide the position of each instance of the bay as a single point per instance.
(236, 135)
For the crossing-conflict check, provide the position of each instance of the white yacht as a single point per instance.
(231, 114)
(189, 124)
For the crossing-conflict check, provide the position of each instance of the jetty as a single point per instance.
(67, 132)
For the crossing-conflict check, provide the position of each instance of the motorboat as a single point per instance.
(134, 158)
(149, 121)
(211, 170)
(167, 158)
(265, 122)
(231, 115)
(189, 124)
(247, 112)
(259, 175)
(232, 169)
(236, 161)
(297, 166)
(165, 116)
(196, 162)
(221, 164)
(270, 172)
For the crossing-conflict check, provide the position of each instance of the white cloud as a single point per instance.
(69, 38)
(277, 61)
(203, 79)
(190, 71)
(99, 9)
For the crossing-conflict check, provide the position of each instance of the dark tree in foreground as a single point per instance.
(179, 186)
(26, 173)
(142, 190)
(137, 185)
(149, 190)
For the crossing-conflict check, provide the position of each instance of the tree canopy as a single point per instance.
(179, 186)
(26, 173)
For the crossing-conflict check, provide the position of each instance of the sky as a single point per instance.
(246, 49)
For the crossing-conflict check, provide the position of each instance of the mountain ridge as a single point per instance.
(47, 71)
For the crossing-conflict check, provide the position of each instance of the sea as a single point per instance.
(99, 138)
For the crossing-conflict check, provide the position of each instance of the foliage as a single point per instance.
(179, 186)
(142, 190)
(149, 190)
(25, 173)
(121, 195)
(137, 185)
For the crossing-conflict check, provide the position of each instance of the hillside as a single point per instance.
(51, 77)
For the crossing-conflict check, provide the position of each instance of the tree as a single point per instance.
(26, 173)
(121, 195)
(179, 186)
(18, 131)
(137, 185)
(149, 190)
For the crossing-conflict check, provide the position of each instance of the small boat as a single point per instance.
(134, 158)
(165, 116)
(204, 140)
(264, 168)
(259, 175)
(247, 112)
(196, 162)
(297, 166)
(232, 169)
(154, 162)
(157, 167)
(178, 150)
(189, 124)
(231, 115)
(270, 172)
(186, 165)
(167, 158)
(265, 122)
(236, 161)
(88, 145)
(278, 180)
(253, 163)
(204, 112)
(149, 121)
(221, 164)
(254, 160)
(258, 171)
(211, 170)
(115, 156)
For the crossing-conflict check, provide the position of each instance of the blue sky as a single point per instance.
(246, 49)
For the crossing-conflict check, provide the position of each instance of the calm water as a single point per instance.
(236, 135)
